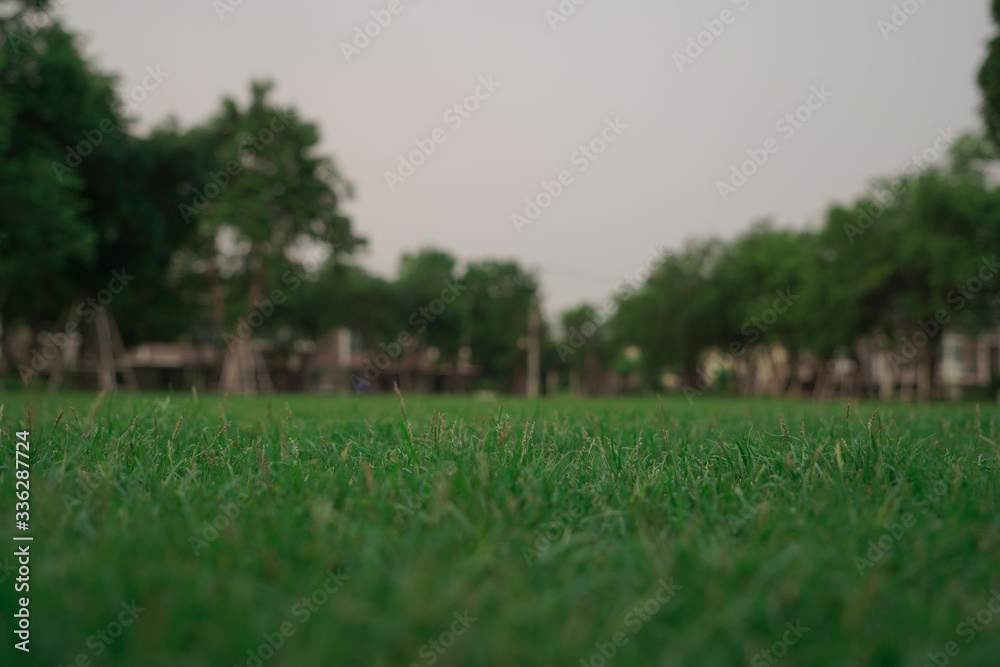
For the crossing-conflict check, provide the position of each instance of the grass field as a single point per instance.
(211, 531)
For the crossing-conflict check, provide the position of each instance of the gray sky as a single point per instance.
(654, 186)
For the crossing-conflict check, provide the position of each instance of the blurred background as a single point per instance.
(540, 198)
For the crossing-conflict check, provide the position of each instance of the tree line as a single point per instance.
(229, 229)
(918, 248)
(234, 229)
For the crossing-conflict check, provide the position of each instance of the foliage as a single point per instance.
(879, 267)
(498, 296)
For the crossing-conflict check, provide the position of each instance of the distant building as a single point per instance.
(339, 363)
(949, 366)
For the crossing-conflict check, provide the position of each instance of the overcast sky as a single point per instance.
(677, 133)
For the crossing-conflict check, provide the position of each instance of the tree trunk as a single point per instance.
(821, 374)
(218, 297)
(257, 278)
(794, 386)
(925, 373)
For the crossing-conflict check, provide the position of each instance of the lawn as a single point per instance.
(213, 531)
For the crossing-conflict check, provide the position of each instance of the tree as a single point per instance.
(426, 281)
(890, 266)
(72, 185)
(677, 314)
(344, 295)
(50, 97)
(584, 348)
(267, 199)
(497, 298)
(989, 83)
(891, 260)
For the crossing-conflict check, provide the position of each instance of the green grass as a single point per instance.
(758, 524)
